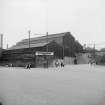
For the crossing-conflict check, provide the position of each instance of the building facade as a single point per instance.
(62, 44)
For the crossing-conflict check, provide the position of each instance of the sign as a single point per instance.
(44, 53)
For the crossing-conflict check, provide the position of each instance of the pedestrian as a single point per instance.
(1, 103)
(28, 66)
(92, 62)
(62, 63)
(75, 61)
(56, 63)
(11, 65)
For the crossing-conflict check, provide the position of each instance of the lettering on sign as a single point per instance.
(44, 53)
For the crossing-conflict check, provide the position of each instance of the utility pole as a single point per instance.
(47, 47)
(7, 46)
(29, 37)
(84, 47)
(63, 51)
(94, 51)
(63, 46)
(47, 41)
(1, 41)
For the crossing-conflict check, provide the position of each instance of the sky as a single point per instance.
(85, 19)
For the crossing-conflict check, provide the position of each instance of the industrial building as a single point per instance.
(35, 50)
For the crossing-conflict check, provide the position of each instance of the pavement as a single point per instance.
(71, 85)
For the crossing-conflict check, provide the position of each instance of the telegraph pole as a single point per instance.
(47, 41)
(29, 37)
(63, 51)
(94, 51)
(1, 41)
(7, 46)
(47, 47)
(84, 47)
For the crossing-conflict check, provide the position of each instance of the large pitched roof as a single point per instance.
(44, 37)
(22, 44)
(27, 46)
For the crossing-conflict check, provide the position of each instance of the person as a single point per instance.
(11, 65)
(75, 61)
(62, 64)
(28, 66)
(92, 62)
(56, 63)
(1, 103)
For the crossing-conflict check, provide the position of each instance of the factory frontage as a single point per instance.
(41, 51)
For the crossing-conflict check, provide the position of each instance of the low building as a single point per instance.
(62, 44)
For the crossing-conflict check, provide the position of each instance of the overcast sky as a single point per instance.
(85, 19)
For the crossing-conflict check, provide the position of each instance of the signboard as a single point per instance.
(44, 53)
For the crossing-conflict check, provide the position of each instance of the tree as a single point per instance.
(103, 49)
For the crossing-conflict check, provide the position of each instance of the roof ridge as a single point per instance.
(41, 38)
(45, 36)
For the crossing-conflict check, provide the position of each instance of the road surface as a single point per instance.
(71, 85)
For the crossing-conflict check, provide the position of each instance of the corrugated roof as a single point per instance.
(27, 46)
(44, 37)
(24, 44)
